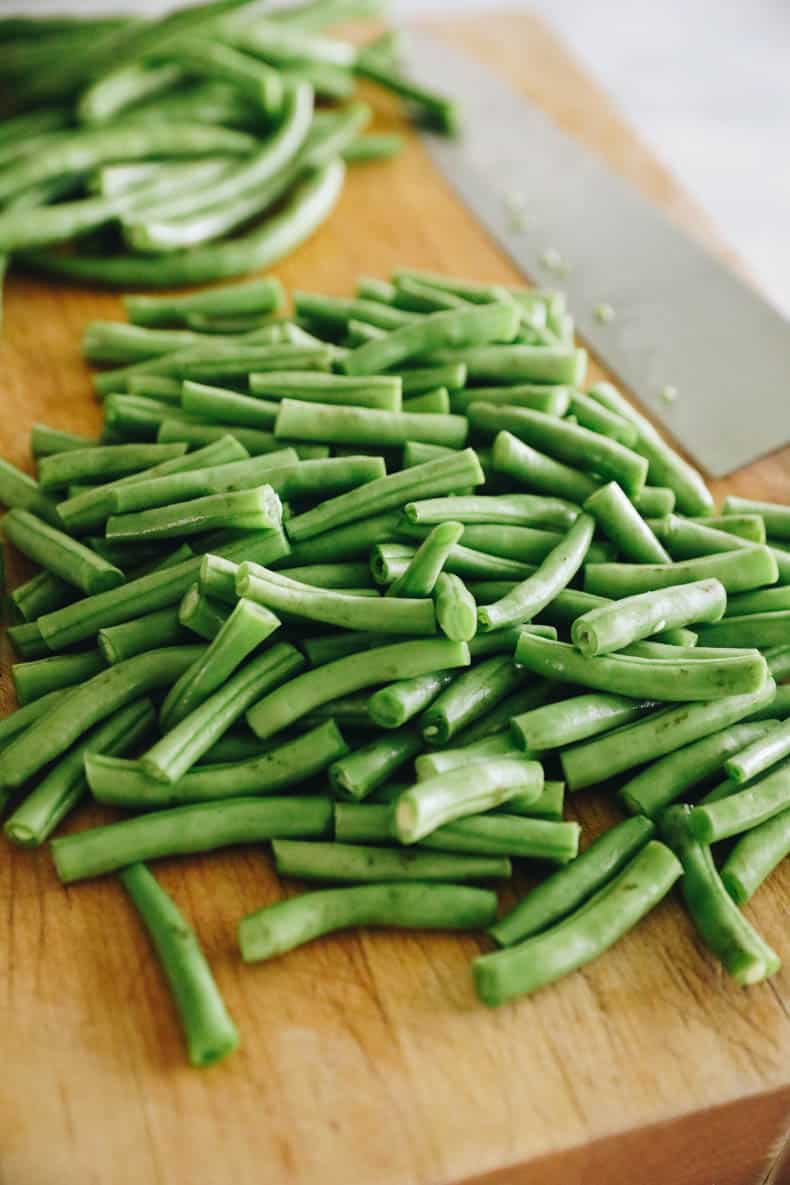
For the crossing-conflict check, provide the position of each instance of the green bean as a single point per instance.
(186, 741)
(612, 627)
(429, 334)
(14, 724)
(345, 675)
(585, 934)
(380, 392)
(569, 720)
(229, 407)
(741, 950)
(257, 508)
(778, 659)
(504, 641)
(469, 696)
(64, 784)
(121, 344)
(508, 835)
(256, 296)
(570, 888)
(27, 641)
(320, 478)
(389, 560)
(539, 472)
(436, 401)
(752, 629)
(452, 376)
(360, 425)
(749, 807)
(746, 526)
(209, 1031)
(754, 857)
(157, 590)
(197, 483)
(613, 753)
(357, 774)
(18, 491)
(421, 808)
(34, 679)
(598, 418)
(92, 464)
(514, 364)
(371, 288)
(281, 927)
(357, 864)
(149, 632)
(309, 203)
(441, 476)
(44, 441)
(765, 600)
(525, 545)
(738, 571)
(41, 594)
(338, 310)
(540, 589)
(552, 400)
(397, 703)
(339, 576)
(199, 434)
(687, 538)
(775, 516)
(621, 522)
(531, 510)
(566, 442)
(278, 592)
(760, 754)
(326, 647)
(60, 554)
(183, 830)
(90, 703)
(671, 776)
(655, 501)
(498, 719)
(199, 613)
(456, 608)
(348, 710)
(417, 452)
(425, 566)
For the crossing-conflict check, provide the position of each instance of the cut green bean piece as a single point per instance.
(452, 376)
(746, 526)
(19, 491)
(95, 464)
(755, 856)
(539, 472)
(399, 702)
(360, 425)
(27, 641)
(664, 780)
(149, 632)
(456, 608)
(613, 753)
(598, 418)
(504, 834)
(37, 678)
(200, 483)
(357, 774)
(753, 629)
(368, 865)
(621, 522)
(227, 407)
(738, 571)
(44, 441)
(516, 364)
(730, 937)
(469, 696)
(655, 501)
(552, 400)
(60, 554)
(553, 726)
(526, 510)
(15, 723)
(775, 516)
(422, 808)
(421, 336)
(761, 754)
(764, 600)
(43, 593)
(425, 566)
(287, 924)
(747, 808)
(437, 401)
(687, 538)
(612, 627)
(256, 296)
(570, 888)
(381, 392)
(257, 508)
(596, 925)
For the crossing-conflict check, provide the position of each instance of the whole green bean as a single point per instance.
(664, 780)
(358, 773)
(738, 571)
(760, 754)
(553, 400)
(422, 808)
(752, 629)
(281, 927)
(368, 865)
(399, 702)
(747, 808)
(60, 554)
(570, 888)
(469, 696)
(37, 678)
(553, 726)
(730, 937)
(585, 934)
(440, 476)
(524, 510)
(604, 757)
(540, 589)
(539, 472)
(612, 627)
(775, 516)
(335, 424)
(621, 522)
(754, 857)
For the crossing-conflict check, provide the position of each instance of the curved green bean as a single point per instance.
(425, 566)
(612, 627)
(524, 510)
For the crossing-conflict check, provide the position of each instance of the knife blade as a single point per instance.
(682, 323)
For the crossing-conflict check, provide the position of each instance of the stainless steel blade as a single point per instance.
(681, 319)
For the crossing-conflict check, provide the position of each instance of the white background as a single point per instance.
(705, 82)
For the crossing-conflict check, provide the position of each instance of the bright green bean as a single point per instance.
(552, 400)
(42, 593)
(539, 472)
(525, 510)
(60, 554)
(357, 774)
(399, 702)
(436, 401)
(775, 516)
(256, 296)
(44, 441)
(94, 464)
(655, 501)
(456, 608)
(760, 754)
(765, 600)
(469, 696)
(553, 726)
(257, 508)
(738, 571)
(749, 807)
(360, 425)
(612, 627)
(18, 491)
(515, 364)
(425, 566)
(369, 865)
(754, 857)
(621, 522)
(429, 334)
(753, 629)
(37, 678)
(381, 392)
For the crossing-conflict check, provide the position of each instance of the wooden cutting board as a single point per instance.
(366, 1058)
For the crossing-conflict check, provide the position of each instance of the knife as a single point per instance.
(704, 353)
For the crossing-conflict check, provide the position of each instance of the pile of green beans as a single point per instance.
(375, 633)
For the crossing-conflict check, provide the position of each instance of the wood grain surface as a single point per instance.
(366, 1059)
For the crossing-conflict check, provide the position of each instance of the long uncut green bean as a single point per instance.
(761, 754)
(34, 679)
(621, 522)
(664, 780)
(426, 335)
(422, 808)
(539, 472)
(738, 571)
(723, 928)
(569, 720)
(569, 888)
(569, 443)
(368, 865)
(470, 695)
(775, 516)
(665, 466)
(334, 424)
(604, 757)
(585, 934)
(64, 784)
(524, 510)
(157, 590)
(185, 742)
(209, 1031)
(754, 857)
(278, 928)
(749, 807)
(279, 593)
(60, 554)
(183, 830)
(425, 566)
(554, 573)
(399, 702)
(279, 767)
(357, 774)
(612, 627)
(381, 665)
(50, 734)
